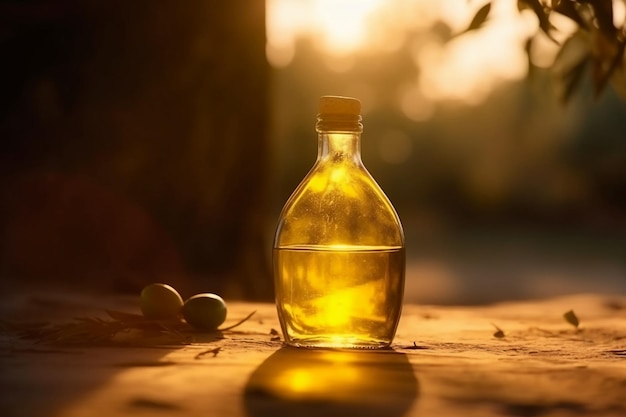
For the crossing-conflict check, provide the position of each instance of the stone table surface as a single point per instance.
(445, 361)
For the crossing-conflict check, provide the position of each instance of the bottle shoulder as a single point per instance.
(325, 189)
(339, 204)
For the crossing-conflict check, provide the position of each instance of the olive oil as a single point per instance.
(339, 257)
(339, 296)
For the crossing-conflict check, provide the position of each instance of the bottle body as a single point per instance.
(339, 257)
(339, 297)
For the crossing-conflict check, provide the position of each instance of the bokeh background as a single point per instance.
(504, 190)
(157, 141)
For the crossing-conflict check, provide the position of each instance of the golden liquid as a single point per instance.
(339, 296)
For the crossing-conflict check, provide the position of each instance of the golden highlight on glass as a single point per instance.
(339, 256)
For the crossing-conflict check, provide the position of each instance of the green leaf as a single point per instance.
(568, 9)
(608, 58)
(618, 81)
(572, 80)
(603, 13)
(571, 318)
(570, 64)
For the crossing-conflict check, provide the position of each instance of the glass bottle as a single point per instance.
(339, 257)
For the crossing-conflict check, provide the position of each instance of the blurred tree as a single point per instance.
(133, 144)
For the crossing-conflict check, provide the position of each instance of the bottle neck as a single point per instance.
(339, 137)
(339, 146)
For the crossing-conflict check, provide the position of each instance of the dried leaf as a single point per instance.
(145, 364)
(275, 335)
(571, 318)
(121, 328)
(39, 350)
(122, 316)
(22, 326)
(499, 333)
(153, 404)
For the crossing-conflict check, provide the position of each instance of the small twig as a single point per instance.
(414, 347)
(239, 323)
(214, 351)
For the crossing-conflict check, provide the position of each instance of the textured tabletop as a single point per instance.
(509, 359)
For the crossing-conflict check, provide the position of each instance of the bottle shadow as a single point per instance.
(302, 382)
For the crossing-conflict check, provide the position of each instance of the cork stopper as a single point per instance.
(339, 105)
(339, 114)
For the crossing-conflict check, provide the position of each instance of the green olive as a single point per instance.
(205, 311)
(160, 301)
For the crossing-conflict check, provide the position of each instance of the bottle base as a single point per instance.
(337, 343)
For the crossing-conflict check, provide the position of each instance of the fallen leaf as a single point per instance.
(571, 318)
(499, 333)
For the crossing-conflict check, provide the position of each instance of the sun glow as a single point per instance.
(341, 25)
(338, 27)
(464, 69)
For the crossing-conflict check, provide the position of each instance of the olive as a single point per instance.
(205, 311)
(160, 301)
